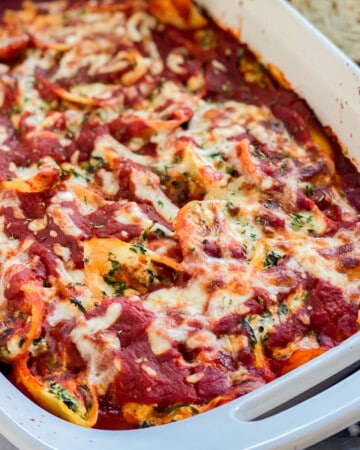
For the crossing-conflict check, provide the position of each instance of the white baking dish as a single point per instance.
(319, 72)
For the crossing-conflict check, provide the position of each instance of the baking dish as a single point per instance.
(333, 93)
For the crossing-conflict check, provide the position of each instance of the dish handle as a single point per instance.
(303, 424)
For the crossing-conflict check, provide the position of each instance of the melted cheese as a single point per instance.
(107, 142)
(146, 188)
(82, 336)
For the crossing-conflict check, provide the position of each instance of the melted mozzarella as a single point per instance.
(92, 350)
(190, 299)
(107, 142)
(146, 189)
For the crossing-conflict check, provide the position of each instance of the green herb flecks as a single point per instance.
(64, 395)
(138, 248)
(246, 324)
(78, 304)
(175, 408)
(298, 221)
(271, 259)
(309, 190)
(118, 286)
(146, 232)
(115, 265)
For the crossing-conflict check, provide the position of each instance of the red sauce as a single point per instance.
(132, 322)
(125, 129)
(294, 122)
(15, 44)
(103, 223)
(152, 214)
(164, 383)
(237, 251)
(303, 202)
(262, 297)
(13, 291)
(32, 150)
(33, 204)
(286, 332)
(214, 382)
(212, 248)
(220, 86)
(61, 351)
(229, 324)
(330, 314)
(10, 92)
(15, 228)
(46, 260)
(81, 77)
(54, 234)
(214, 285)
(84, 143)
(5, 172)
(11, 140)
(110, 418)
(271, 221)
(336, 251)
(42, 86)
(255, 305)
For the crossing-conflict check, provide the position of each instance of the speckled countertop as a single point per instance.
(341, 441)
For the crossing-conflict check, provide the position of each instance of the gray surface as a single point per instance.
(338, 443)
(5, 445)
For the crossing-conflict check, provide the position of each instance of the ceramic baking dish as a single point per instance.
(315, 400)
